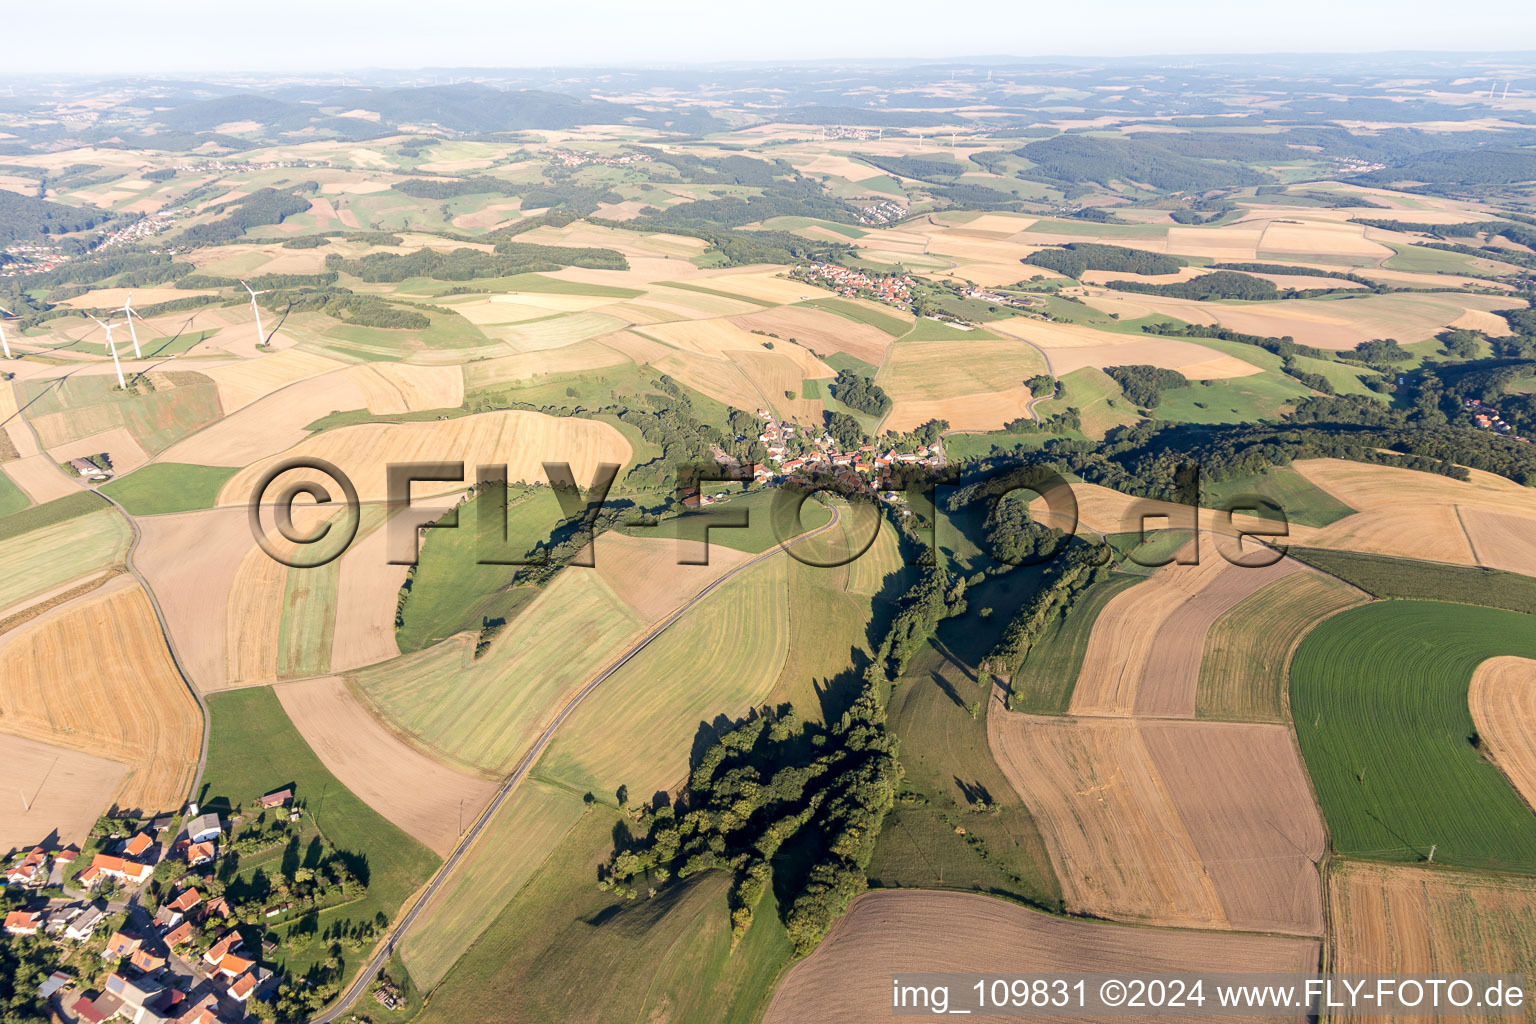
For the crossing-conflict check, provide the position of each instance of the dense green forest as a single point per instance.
(1145, 384)
(30, 219)
(510, 258)
(1074, 258)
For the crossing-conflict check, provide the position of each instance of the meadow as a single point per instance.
(664, 958)
(255, 749)
(1379, 698)
(163, 487)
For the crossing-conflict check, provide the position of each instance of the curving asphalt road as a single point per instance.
(520, 772)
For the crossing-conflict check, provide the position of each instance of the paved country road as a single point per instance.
(520, 772)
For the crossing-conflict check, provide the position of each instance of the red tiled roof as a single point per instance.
(188, 899)
(86, 1010)
(234, 966)
(22, 920)
(138, 844)
(181, 933)
(243, 985)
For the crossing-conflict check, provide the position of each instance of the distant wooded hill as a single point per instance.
(28, 218)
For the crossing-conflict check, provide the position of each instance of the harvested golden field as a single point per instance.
(777, 376)
(113, 298)
(848, 978)
(941, 370)
(584, 355)
(390, 388)
(713, 337)
(366, 592)
(191, 560)
(1500, 541)
(987, 411)
(769, 285)
(720, 379)
(521, 440)
(1243, 794)
(1248, 648)
(428, 800)
(1406, 919)
(253, 619)
(1411, 514)
(268, 425)
(1113, 832)
(645, 574)
(1197, 824)
(117, 443)
(1320, 238)
(1503, 702)
(1238, 242)
(1144, 653)
(1341, 323)
(820, 331)
(95, 675)
(1100, 510)
(242, 383)
(1074, 346)
(40, 477)
(51, 790)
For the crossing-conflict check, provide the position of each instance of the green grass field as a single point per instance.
(1379, 697)
(1242, 671)
(75, 407)
(1299, 499)
(484, 712)
(1381, 576)
(1236, 400)
(163, 487)
(1044, 681)
(951, 781)
(938, 330)
(47, 514)
(1096, 397)
(662, 959)
(452, 592)
(12, 498)
(639, 727)
(254, 749)
(40, 560)
(764, 528)
(308, 624)
(516, 844)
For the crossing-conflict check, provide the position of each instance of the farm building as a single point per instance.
(277, 798)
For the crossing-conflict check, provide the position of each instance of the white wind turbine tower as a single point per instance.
(4, 344)
(133, 332)
(261, 337)
(113, 349)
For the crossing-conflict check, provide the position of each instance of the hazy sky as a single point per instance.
(175, 35)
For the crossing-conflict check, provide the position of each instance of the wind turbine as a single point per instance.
(113, 349)
(6, 345)
(133, 332)
(261, 336)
